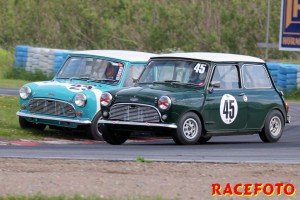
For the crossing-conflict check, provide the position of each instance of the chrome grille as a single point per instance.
(51, 107)
(134, 113)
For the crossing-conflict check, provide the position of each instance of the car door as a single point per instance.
(261, 95)
(225, 106)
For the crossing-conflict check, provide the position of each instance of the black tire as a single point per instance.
(273, 128)
(93, 129)
(29, 125)
(114, 137)
(189, 129)
(203, 140)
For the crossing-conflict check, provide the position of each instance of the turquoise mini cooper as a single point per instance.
(72, 98)
(194, 96)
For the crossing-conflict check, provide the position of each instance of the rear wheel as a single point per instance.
(29, 125)
(114, 137)
(188, 130)
(273, 127)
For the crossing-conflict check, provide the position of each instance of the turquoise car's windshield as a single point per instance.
(94, 69)
(175, 71)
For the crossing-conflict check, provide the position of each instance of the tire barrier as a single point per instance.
(285, 76)
(46, 60)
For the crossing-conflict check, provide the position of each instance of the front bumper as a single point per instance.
(60, 119)
(137, 123)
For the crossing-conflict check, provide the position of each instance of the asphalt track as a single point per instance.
(229, 149)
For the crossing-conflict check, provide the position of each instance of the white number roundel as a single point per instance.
(228, 108)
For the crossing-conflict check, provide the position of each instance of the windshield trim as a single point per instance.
(115, 82)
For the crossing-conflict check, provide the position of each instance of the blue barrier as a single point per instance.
(21, 54)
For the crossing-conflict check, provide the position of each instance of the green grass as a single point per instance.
(293, 96)
(6, 64)
(142, 160)
(12, 77)
(9, 124)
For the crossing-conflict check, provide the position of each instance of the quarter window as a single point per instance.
(227, 76)
(255, 76)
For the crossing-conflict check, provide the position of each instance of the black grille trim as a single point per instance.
(134, 113)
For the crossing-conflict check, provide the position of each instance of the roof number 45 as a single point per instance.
(200, 68)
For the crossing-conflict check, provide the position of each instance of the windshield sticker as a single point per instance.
(228, 108)
(120, 71)
(200, 68)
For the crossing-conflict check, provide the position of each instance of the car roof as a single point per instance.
(132, 56)
(214, 57)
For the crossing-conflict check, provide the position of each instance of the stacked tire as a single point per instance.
(21, 55)
(273, 68)
(287, 77)
(59, 58)
(35, 59)
(298, 78)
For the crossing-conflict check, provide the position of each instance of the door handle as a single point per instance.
(242, 94)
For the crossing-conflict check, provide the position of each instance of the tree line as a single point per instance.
(232, 26)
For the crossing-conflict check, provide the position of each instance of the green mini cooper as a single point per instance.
(194, 96)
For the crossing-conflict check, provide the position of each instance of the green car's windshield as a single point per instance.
(175, 71)
(93, 69)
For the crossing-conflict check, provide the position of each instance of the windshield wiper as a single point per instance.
(62, 77)
(171, 81)
(103, 80)
(180, 83)
(81, 78)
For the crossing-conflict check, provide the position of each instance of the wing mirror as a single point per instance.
(212, 85)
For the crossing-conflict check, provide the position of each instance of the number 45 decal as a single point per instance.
(200, 68)
(228, 108)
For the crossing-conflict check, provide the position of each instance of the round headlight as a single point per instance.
(105, 99)
(164, 102)
(25, 92)
(80, 100)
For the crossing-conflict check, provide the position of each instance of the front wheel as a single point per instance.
(93, 128)
(273, 127)
(189, 129)
(114, 137)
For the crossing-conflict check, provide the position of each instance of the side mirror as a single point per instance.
(215, 84)
(134, 80)
(212, 85)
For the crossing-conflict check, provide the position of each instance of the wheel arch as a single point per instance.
(200, 117)
(271, 110)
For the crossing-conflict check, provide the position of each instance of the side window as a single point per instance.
(227, 76)
(256, 76)
(134, 72)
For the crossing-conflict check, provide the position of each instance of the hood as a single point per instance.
(58, 90)
(149, 94)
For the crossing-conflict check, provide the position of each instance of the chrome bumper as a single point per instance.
(54, 118)
(137, 123)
